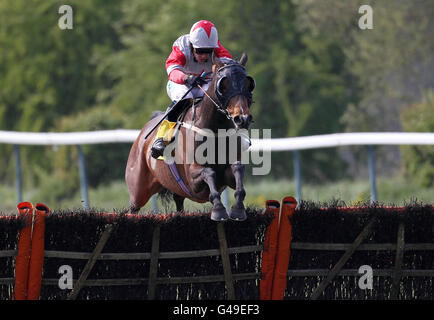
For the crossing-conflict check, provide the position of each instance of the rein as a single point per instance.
(218, 106)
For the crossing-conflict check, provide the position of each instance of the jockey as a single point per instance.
(190, 57)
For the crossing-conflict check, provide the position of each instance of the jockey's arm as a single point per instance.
(176, 62)
(174, 65)
(178, 76)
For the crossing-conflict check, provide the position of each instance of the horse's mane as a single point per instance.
(155, 114)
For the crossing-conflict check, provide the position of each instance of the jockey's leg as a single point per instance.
(164, 129)
(175, 92)
(164, 134)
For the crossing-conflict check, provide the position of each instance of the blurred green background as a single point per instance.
(316, 72)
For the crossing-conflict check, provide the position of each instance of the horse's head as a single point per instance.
(233, 90)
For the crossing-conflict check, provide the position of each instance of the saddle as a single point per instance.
(169, 128)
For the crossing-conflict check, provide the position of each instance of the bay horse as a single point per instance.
(225, 105)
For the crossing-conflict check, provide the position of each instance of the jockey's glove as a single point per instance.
(194, 81)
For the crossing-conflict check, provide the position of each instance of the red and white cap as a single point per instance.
(203, 34)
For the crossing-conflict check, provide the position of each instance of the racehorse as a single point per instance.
(225, 105)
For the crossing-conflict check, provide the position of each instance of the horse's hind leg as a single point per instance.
(179, 201)
(142, 196)
(142, 185)
(137, 201)
(134, 209)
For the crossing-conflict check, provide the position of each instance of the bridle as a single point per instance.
(218, 106)
(237, 88)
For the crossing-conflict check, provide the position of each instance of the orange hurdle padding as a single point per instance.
(22, 261)
(37, 254)
(283, 248)
(269, 251)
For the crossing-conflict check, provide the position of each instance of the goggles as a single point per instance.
(203, 50)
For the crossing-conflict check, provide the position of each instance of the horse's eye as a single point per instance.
(250, 83)
(222, 85)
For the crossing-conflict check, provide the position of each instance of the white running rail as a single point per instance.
(276, 144)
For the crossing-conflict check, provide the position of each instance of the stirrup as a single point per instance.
(157, 149)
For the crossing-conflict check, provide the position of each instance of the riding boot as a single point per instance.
(157, 148)
(164, 134)
(166, 129)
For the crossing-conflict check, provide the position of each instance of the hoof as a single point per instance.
(219, 214)
(238, 214)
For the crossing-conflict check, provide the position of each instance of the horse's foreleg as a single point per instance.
(238, 211)
(218, 212)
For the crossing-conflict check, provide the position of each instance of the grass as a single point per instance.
(389, 191)
(115, 196)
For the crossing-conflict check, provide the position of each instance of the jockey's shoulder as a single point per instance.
(183, 42)
(183, 45)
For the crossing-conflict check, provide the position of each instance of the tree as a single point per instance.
(418, 161)
(389, 66)
(48, 73)
(104, 162)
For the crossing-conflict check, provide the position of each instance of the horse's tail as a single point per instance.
(166, 196)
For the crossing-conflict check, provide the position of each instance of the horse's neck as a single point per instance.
(207, 115)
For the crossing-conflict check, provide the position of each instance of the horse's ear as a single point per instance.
(243, 59)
